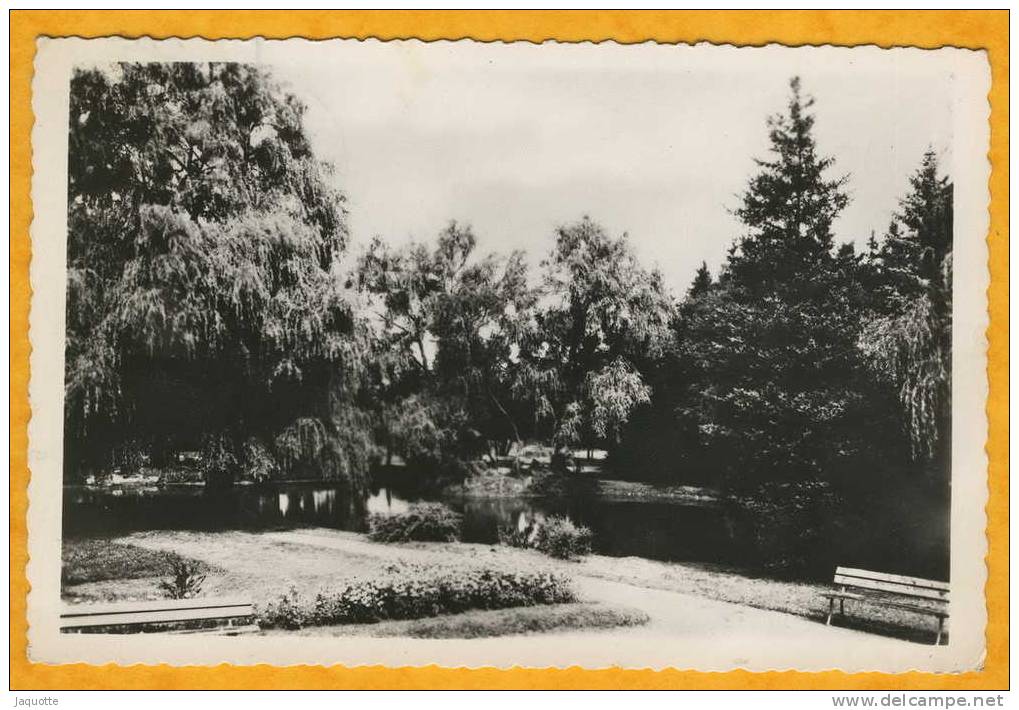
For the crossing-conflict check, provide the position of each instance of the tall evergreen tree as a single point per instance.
(788, 208)
(909, 341)
(701, 283)
(774, 343)
(911, 258)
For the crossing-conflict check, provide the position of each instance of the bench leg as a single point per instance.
(842, 607)
(831, 610)
(941, 629)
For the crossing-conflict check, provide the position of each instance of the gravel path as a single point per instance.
(683, 628)
(684, 631)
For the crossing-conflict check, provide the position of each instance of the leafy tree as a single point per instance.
(205, 303)
(612, 394)
(454, 318)
(477, 323)
(604, 316)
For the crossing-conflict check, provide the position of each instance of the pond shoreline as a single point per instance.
(627, 518)
(505, 487)
(498, 485)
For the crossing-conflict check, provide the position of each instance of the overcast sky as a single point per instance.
(656, 141)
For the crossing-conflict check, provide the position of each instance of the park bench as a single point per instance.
(921, 596)
(220, 616)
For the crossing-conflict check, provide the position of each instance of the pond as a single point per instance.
(668, 531)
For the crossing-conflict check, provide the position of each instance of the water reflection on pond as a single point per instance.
(656, 530)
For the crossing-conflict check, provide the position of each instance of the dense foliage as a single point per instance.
(556, 536)
(185, 581)
(480, 356)
(415, 592)
(809, 380)
(423, 522)
(205, 308)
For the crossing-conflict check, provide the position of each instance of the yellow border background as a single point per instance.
(972, 29)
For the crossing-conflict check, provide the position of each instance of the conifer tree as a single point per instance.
(788, 207)
(908, 342)
(771, 350)
(701, 283)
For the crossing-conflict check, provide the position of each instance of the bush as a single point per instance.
(219, 462)
(186, 582)
(287, 612)
(513, 536)
(257, 462)
(556, 536)
(560, 537)
(423, 522)
(411, 592)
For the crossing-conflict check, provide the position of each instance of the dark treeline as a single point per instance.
(216, 304)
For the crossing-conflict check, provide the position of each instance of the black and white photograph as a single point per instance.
(509, 354)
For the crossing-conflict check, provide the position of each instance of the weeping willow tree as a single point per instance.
(206, 308)
(604, 320)
(909, 342)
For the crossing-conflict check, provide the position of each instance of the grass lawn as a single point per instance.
(239, 563)
(484, 624)
(98, 560)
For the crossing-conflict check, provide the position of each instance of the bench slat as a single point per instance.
(935, 609)
(155, 617)
(220, 631)
(920, 596)
(893, 587)
(898, 578)
(75, 610)
(138, 617)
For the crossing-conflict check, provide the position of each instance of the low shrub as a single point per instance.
(492, 484)
(288, 612)
(559, 537)
(556, 536)
(423, 522)
(186, 580)
(407, 592)
(257, 462)
(514, 536)
(551, 484)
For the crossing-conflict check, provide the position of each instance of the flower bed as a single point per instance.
(414, 592)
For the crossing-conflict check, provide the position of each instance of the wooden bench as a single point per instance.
(221, 616)
(921, 596)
